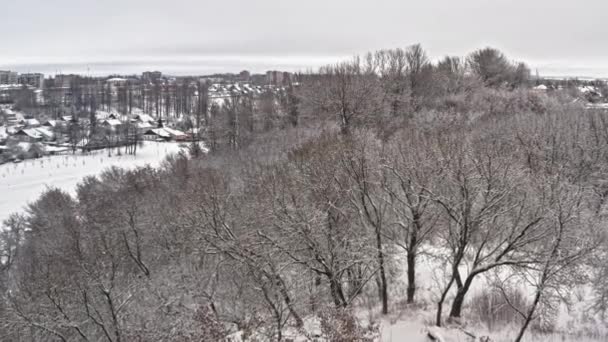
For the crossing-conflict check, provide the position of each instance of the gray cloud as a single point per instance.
(556, 33)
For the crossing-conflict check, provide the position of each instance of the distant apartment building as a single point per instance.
(151, 76)
(35, 80)
(258, 79)
(244, 76)
(288, 78)
(274, 77)
(8, 77)
(63, 81)
(279, 78)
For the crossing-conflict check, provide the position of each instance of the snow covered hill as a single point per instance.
(21, 183)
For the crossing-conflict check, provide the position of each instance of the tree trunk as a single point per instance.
(441, 300)
(336, 292)
(383, 284)
(288, 302)
(279, 330)
(522, 331)
(459, 299)
(444, 294)
(411, 262)
(411, 276)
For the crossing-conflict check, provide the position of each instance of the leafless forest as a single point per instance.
(318, 200)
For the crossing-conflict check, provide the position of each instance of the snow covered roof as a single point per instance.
(53, 149)
(17, 115)
(30, 132)
(144, 118)
(166, 132)
(45, 131)
(13, 129)
(541, 87)
(51, 123)
(588, 89)
(36, 133)
(143, 125)
(103, 115)
(160, 132)
(31, 122)
(173, 132)
(112, 122)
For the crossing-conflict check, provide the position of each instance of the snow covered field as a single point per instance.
(21, 183)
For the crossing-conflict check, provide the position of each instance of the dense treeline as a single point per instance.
(159, 97)
(378, 162)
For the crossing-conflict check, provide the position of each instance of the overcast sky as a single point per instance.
(559, 37)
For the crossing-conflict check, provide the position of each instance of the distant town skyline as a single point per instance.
(557, 37)
(228, 65)
(177, 67)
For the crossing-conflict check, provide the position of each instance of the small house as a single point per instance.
(111, 123)
(34, 134)
(51, 123)
(165, 133)
(28, 135)
(30, 123)
(144, 118)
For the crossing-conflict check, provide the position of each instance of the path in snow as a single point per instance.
(403, 331)
(22, 183)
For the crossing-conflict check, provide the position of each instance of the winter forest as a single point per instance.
(388, 197)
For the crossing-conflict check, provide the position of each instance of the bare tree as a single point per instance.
(419, 74)
(489, 219)
(393, 71)
(495, 70)
(411, 175)
(348, 91)
(365, 181)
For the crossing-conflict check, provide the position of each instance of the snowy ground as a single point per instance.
(405, 330)
(21, 183)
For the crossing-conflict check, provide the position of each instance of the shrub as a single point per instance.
(339, 325)
(496, 308)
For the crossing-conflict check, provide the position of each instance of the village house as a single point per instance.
(102, 115)
(165, 133)
(144, 118)
(36, 134)
(143, 122)
(51, 123)
(30, 123)
(111, 123)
